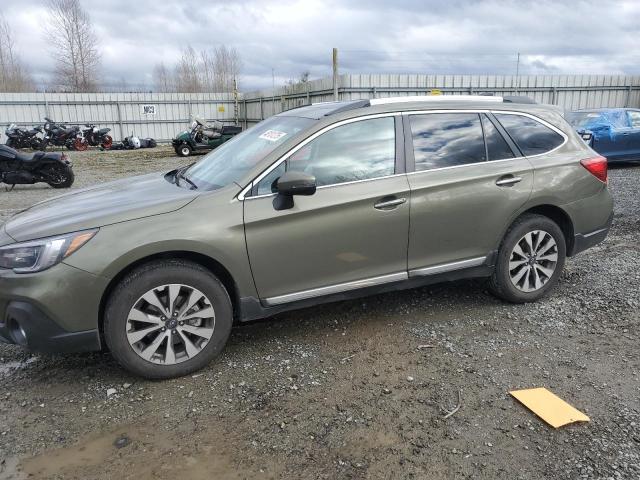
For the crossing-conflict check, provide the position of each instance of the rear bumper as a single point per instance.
(583, 241)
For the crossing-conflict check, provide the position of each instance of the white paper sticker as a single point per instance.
(272, 135)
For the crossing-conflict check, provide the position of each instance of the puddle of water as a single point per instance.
(152, 454)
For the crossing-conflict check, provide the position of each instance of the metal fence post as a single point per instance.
(244, 104)
(46, 105)
(261, 110)
(120, 120)
(627, 102)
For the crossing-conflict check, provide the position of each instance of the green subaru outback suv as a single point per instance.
(316, 204)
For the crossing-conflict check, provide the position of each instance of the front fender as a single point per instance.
(194, 229)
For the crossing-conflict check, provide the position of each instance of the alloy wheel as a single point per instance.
(170, 324)
(533, 261)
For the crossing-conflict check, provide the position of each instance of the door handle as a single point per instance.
(388, 204)
(508, 180)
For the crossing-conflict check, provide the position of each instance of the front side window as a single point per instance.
(634, 119)
(360, 150)
(531, 136)
(446, 140)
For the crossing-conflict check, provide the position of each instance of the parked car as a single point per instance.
(317, 204)
(612, 132)
(203, 137)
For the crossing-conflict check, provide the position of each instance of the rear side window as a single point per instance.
(497, 146)
(531, 136)
(446, 140)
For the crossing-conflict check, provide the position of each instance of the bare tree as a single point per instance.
(13, 75)
(227, 66)
(187, 72)
(162, 79)
(207, 71)
(74, 45)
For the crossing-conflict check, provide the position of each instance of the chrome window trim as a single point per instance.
(447, 267)
(337, 288)
(333, 185)
(373, 281)
(493, 112)
(543, 122)
(244, 192)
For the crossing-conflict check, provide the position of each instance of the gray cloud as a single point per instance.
(401, 36)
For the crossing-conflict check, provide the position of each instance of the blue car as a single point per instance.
(615, 131)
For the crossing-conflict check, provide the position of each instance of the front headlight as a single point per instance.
(38, 255)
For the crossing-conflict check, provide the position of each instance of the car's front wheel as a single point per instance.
(530, 259)
(167, 319)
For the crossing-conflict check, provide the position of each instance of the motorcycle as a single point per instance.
(97, 136)
(62, 136)
(19, 138)
(18, 168)
(134, 143)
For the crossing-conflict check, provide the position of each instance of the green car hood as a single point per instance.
(104, 204)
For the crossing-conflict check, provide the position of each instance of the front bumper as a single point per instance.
(51, 311)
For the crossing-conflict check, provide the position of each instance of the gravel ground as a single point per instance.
(356, 389)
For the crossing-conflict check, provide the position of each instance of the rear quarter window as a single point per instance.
(531, 136)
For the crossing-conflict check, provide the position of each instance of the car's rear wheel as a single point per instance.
(167, 319)
(530, 259)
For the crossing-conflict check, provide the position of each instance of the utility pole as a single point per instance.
(235, 101)
(518, 73)
(335, 74)
(273, 91)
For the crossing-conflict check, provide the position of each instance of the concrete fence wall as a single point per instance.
(161, 116)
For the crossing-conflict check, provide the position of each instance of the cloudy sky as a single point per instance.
(373, 36)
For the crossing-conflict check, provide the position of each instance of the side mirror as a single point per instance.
(290, 184)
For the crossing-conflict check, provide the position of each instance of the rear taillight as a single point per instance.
(597, 166)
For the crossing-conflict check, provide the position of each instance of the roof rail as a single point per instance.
(435, 98)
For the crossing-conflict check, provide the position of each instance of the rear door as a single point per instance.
(463, 190)
(351, 233)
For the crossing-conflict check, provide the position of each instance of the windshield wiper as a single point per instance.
(180, 175)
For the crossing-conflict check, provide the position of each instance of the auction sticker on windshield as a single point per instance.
(272, 135)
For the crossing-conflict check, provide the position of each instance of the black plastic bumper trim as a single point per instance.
(42, 333)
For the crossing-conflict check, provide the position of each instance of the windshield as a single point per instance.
(598, 120)
(233, 159)
(582, 119)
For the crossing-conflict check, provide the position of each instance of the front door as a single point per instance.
(351, 233)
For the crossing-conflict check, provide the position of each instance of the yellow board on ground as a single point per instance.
(549, 407)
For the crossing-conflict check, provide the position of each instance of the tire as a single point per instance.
(130, 293)
(184, 150)
(59, 175)
(504, 282)
(107, 142)
(80, 144)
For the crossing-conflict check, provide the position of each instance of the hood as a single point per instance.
(104, 204)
